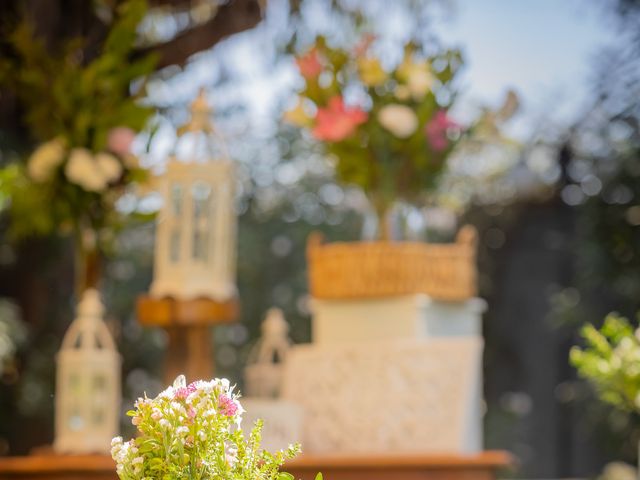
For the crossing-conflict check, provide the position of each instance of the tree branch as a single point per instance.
(233, 17)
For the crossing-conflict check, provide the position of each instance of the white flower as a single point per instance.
(164, 423)
(398, 119)
(180, 382)
(419, 82)
(167, 393)
(402, 92)
(110, 166)
(82, 170)
(45, 159)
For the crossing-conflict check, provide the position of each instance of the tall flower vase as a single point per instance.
(399, 221)
(88, 261)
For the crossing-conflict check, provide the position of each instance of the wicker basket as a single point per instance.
(349, 270)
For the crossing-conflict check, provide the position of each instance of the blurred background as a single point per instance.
(557, 209)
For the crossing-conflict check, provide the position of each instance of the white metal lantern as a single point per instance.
(87, 383)
(195, 252)
(263, 373)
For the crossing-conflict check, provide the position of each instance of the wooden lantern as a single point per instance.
(87, 383)
(196, 231)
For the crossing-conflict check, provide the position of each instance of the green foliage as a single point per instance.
(610, 361)
(78, 103)
(64, 97)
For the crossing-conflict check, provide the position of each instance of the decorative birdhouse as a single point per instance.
(87, 383)
(195, 252)
(263, 374)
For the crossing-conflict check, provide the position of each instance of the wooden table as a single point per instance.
(483, 466)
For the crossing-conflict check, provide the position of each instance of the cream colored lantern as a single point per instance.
(195, 252)
(87, 383)
(263, 373)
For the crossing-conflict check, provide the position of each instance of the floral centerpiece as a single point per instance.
(390, 131)
(82, 116)
(389, 128)
(193, 432)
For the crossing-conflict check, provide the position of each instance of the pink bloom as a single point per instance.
(184, 392)
(181, 393)
(436, 130)
(336, 122)
(309, 64)
(363, 45)
(120, 139)
(227, 405)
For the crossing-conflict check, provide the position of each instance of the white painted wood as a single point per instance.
(87, 403)
(193, 273)
(195, 254)
(263, 373)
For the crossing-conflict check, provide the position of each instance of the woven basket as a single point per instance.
(349, 270)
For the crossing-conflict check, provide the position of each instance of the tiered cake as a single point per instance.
(395, 363)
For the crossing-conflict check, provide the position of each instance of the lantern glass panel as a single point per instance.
(97, 415)
(75, 384)
(99, 385)
(176, 200)
(201, 193)
(75, 418)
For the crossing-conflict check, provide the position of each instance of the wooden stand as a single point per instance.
(188, 324)
(483, 466)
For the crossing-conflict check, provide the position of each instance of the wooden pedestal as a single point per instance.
(188, 325)
(411, 467)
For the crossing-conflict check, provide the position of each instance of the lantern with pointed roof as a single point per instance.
(87, 383)
(196, 232)
(263, 373)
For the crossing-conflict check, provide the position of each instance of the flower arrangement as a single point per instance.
(389, 129)
(611, 362)
(193, 432)
(82, 116)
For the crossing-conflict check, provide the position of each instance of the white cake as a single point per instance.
(393, 318)
(397, 396)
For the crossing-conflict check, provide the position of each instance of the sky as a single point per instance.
(543, 49)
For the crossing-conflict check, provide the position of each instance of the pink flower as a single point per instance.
(227, 405)
(309, 64)
(337, 122)
(120, 139)
(184, 392)
(436, 130)
(181, 393)
(363, 45)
